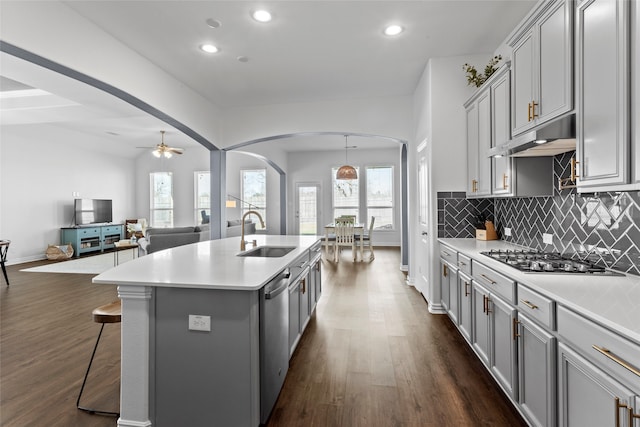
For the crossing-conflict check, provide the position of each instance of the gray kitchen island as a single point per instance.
(206, 333)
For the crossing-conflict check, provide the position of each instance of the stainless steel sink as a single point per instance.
(268, 251)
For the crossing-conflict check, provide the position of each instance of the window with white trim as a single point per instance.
(161, 189)
(254, 193)
(202, 197)
(380, 196)
(346, 195)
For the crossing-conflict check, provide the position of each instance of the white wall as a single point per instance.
(38, 176)
(315, 167)
(440, 119)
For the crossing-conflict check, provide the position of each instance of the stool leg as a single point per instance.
(4, 270)
(84, 381)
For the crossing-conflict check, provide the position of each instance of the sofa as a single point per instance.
(157, 239)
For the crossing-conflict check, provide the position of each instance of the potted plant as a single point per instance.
(477, 79)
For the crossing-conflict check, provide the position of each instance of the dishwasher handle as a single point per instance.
(282, 285)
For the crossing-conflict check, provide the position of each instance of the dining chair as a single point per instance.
(367, 238)
(345, 237)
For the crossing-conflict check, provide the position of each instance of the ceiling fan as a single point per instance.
(163, 150)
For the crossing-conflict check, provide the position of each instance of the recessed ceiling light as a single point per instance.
(261, 16)
(242, 58)
(209, 48)
(393, 30)
(213, 23)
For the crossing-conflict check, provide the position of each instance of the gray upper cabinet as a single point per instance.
(542, 66)
(478, 109)
(635, 84)
(501, 131)
(602, 89)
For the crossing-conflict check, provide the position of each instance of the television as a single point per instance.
(93, 211)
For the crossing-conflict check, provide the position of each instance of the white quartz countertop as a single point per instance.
(211, 264)
(612, 301)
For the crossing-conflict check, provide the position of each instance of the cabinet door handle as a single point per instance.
(488, 302)
(444, 270)
(528, 112)
(303, 288)
(445, 253)
(617, 406)
(533, 110)
(484, 303)
(515, 328)
(632, 416)
(488, 279)
(504, 181)
(528, 304)
(461, 264)
(466, 286)
(606, 352)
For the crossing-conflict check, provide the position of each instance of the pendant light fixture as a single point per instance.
(346, 172)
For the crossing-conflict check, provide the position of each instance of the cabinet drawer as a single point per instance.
(449, 255)
(537, 307)
(84, 232)
(115, 229)
(464, 264)
(614, 354)
(496, 282)
(315, 250)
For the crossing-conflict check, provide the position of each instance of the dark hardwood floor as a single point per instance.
(371, 356)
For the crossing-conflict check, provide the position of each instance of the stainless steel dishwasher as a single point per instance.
(274, 341)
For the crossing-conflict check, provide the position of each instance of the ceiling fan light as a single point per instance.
(156, 153)
(347, 172)
(167, 154)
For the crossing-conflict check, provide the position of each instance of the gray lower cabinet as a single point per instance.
(294, 316)
(590, 397)
(464, 312)
(305, 302)
(448, 293)
(492, 338)
(536, 372)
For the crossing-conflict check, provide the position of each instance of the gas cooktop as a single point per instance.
(533, 261)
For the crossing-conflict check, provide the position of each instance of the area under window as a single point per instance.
(346, 195)
(254, 193)
(161, 189)
(202, 197)
(380, 196)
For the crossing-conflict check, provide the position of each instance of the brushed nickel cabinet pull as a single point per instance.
(488, 279)
(445, 253)
(606, 352)
(461, 264)
(528, 304)
(488, 309)
(466, 292)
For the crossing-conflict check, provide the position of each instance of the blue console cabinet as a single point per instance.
(92, 238)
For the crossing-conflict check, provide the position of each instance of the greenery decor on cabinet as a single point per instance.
(474, 78)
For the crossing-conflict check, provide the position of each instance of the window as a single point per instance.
(254, 193)
(380, 195)
(202, 197)
(346, 199)
(161, 199)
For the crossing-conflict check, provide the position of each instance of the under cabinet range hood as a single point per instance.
(550, 139)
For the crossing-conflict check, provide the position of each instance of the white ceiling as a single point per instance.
(312, 50)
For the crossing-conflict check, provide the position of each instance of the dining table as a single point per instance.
(358, 229)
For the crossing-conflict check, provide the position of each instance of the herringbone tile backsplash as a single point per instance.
(604, 227)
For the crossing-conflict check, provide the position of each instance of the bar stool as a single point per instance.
(108, 313)
(4, 248)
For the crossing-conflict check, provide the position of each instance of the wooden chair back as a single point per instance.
(345, 231)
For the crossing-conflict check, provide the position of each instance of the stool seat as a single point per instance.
(108, 313)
